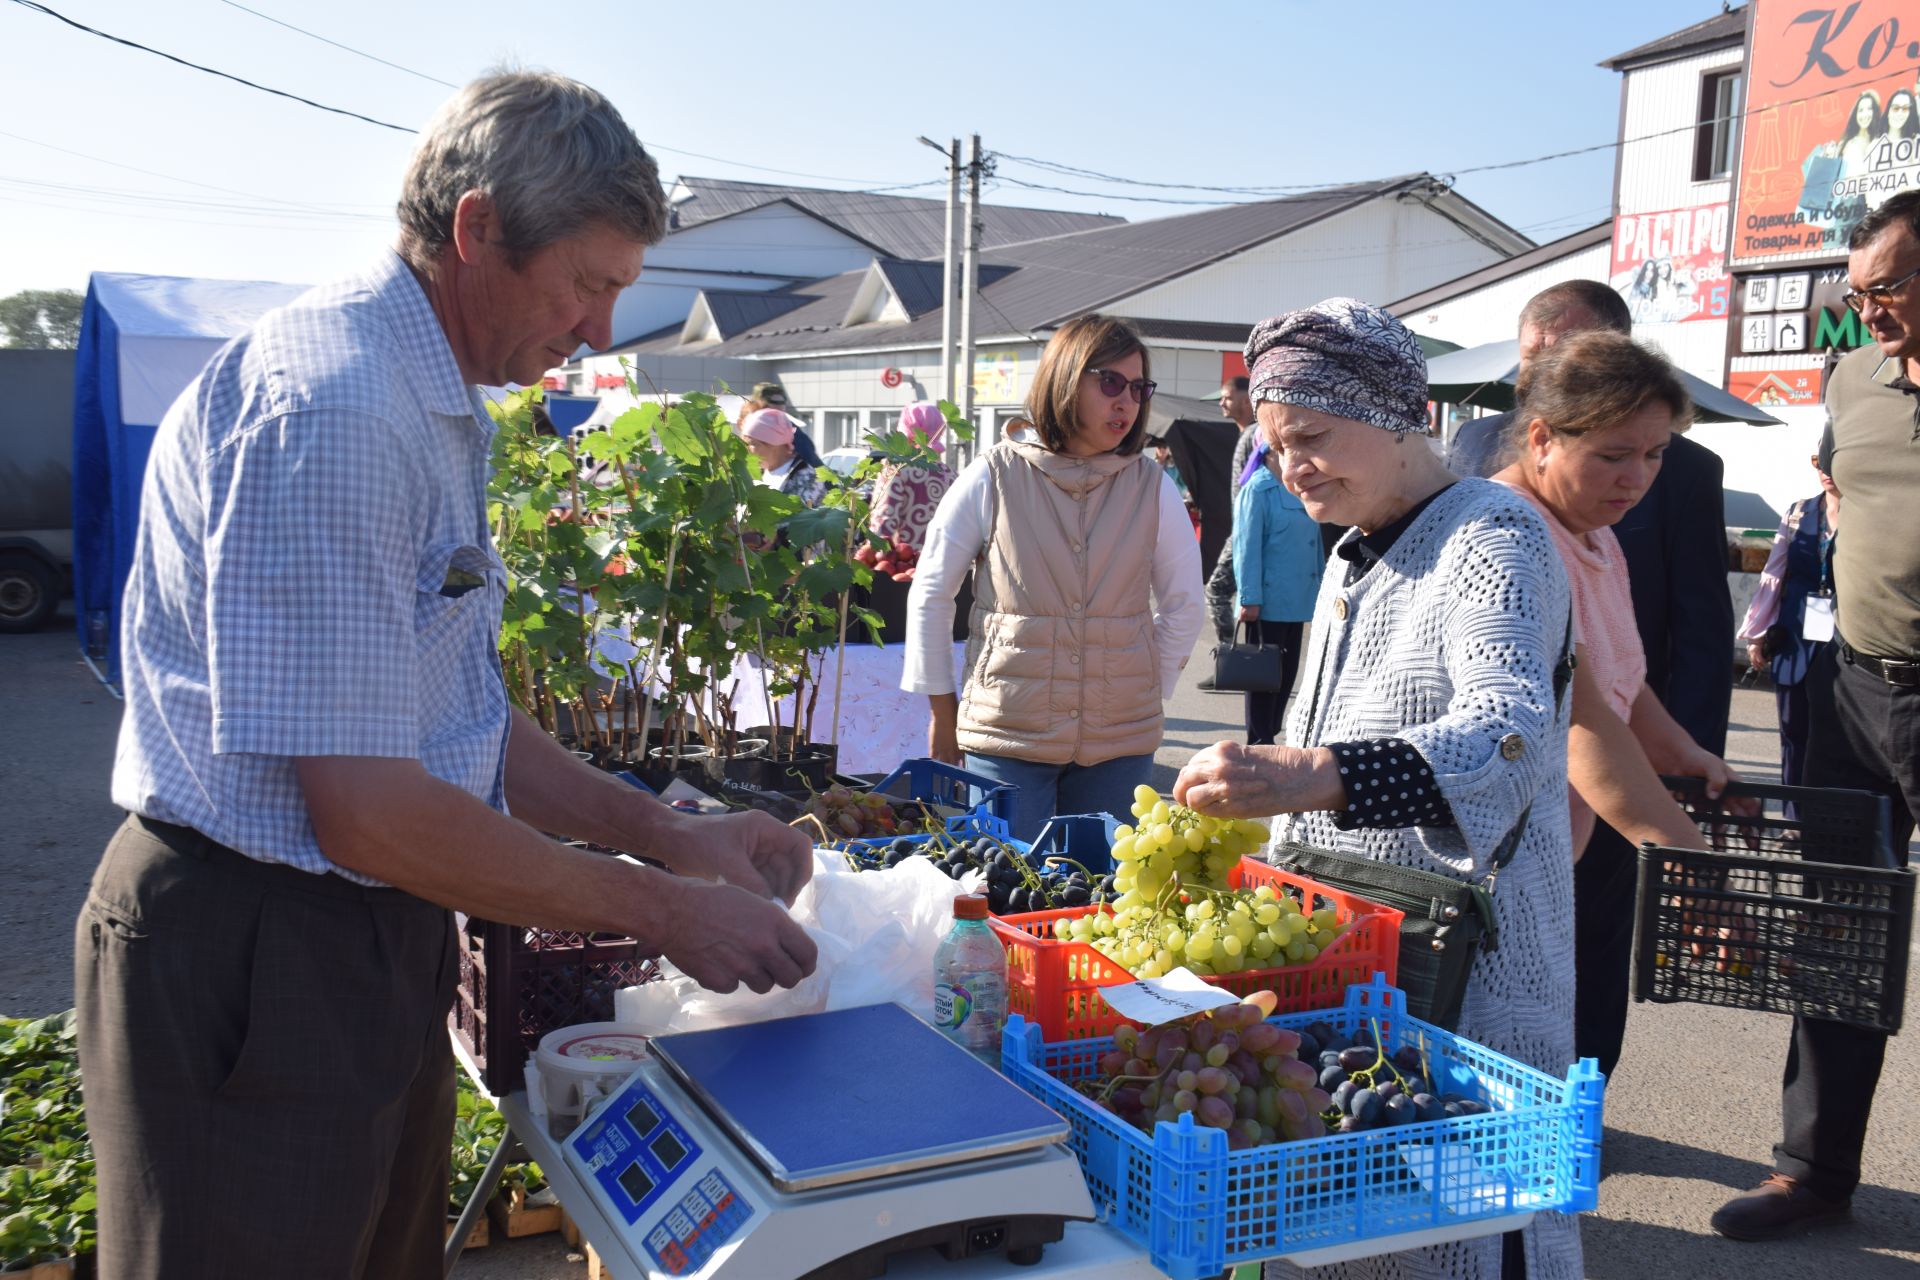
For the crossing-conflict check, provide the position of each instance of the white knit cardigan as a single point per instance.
(1450, 643)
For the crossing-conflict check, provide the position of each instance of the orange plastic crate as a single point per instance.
(1056, 984)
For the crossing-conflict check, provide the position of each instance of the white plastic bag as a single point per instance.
(876, 932)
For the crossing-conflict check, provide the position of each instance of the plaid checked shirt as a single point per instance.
(314, 574)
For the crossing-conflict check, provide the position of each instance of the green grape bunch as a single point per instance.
(1175, 907)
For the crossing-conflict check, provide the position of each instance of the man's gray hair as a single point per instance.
(552, 155)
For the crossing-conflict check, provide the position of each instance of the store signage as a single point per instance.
(1672, 266)
(996, 376)
(1832, 127)
(1777, 388)
(1783, 312)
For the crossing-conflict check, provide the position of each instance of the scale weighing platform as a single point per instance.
(819, 1147)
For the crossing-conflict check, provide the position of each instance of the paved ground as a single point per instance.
(1691, 1115)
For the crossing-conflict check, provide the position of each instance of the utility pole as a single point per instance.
(971, 286)
(949, 275)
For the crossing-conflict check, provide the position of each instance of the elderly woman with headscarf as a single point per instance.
(1430, 730)
(905, 495)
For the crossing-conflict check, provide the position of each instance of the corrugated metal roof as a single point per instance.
(898, 226)
(1600, 233)
(737, 311)
(1042, 283)
(1721, 29)
(916, 284)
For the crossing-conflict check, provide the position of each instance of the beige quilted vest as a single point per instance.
(1061, 661)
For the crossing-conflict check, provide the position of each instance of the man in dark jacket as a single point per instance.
(1675, 544)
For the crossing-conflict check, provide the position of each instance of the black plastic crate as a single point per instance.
(1768, 920)
(517, 984)
(1822, 824)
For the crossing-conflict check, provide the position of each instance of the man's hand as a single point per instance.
(749, 850)
(1228, 780)
(725, 937)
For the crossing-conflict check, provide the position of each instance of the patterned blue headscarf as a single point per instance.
(1342, 357)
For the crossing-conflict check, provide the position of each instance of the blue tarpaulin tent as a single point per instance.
(143, 339)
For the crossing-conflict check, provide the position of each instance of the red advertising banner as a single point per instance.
(1672, 266)
(1832, 127)
(1776, 388)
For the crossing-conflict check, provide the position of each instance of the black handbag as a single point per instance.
(1448, 921)
(1247, 668)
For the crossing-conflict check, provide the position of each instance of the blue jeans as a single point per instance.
(1047, 789)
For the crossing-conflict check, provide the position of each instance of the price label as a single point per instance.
(1152, 1001)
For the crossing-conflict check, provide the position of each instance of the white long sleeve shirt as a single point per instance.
(958, 535)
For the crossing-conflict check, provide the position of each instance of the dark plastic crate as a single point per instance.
(1768, 920)
(517, 984)
(1822, 824)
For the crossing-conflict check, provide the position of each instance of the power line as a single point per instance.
(361, 53)
(170, 177)
(1054, 166)
(872, 187)
(37, 7)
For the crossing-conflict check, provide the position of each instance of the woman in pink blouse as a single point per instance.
(1596, 412)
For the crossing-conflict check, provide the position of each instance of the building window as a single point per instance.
(1721, 100)
(842, 429)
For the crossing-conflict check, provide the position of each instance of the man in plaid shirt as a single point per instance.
(318, 758)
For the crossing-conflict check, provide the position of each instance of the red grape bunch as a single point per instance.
(1229, 1068)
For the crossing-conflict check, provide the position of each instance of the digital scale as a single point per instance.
(818, 1147)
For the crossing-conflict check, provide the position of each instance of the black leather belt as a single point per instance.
(1892, 670)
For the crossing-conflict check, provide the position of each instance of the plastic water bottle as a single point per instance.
(970, 981)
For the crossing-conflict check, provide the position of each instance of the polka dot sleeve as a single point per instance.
(1389, 784)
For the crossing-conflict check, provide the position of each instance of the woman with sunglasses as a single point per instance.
(1086, 581)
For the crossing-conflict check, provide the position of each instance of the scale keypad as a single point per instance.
(693, 1230)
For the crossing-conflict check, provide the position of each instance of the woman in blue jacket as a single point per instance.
(1277, 561)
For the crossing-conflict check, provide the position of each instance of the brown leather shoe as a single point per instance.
(1780, 1206)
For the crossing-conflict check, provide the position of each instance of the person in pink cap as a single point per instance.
(905, 495)
(769, 434)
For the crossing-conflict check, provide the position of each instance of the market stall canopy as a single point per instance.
(1485, 376)
(142, 340)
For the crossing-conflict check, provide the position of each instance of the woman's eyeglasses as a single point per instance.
(1112, 384)
(1882, 294)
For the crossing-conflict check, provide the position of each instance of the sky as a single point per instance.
(113, 159)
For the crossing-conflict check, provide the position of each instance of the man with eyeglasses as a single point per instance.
(1867, 735)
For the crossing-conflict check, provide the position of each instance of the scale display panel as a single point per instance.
(637, 1151)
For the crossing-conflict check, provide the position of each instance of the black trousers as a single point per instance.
(1604, 884)
(269, 1084)
(1266, 712)
(1867, 737)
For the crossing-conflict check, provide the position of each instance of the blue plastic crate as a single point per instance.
(932, 782)
(1198, 1208)
(1087, 838)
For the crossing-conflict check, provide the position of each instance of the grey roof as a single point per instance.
(1729, 28)
(1599, 233)
(736, 311)
(1041, 284)
(897, 226)
(917, 284)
